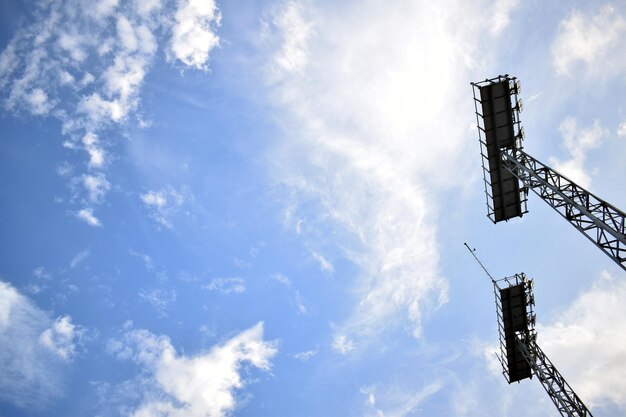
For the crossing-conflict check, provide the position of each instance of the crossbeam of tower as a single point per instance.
(559, 391)
(509, 173)
(599, 221)
(520, 355)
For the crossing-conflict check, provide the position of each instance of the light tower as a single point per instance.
(520, 355)
(509, 173)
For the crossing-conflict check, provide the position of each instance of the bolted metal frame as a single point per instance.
(509, 352)
(599, 221)
(515, 106)
(522, 346)
(559, 391)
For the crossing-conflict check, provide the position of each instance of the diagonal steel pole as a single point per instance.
(599, 221)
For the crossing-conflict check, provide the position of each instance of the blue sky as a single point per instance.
(216, 208)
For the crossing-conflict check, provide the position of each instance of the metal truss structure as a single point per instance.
(514, 310)
(599, 221)
(506, 165)
(560, 392)
(520, 355)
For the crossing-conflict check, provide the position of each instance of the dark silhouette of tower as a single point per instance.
(509, 173)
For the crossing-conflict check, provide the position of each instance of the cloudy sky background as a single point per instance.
(259, 208)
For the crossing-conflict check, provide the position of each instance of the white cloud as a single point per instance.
(40, 281)
(8, 63)
(282, 279)
(41, 273)
(587, 342)
(306, 355)
(80, 257)
(230, 285)
(30, 374)
(37, 99)
(296, 29)
(65, 78)
(96, 186)
(578, 142)
(621, 129)
(163, 204)
(241, 264)
(72, 44)
(61, 338)
(96, 153)
(103, 8)
(97, 109)
(160, 299)
(325, 265)
(397, 401)
(502, 10)
(593, 42)
(203, 385)
(87, 216)
(342, 344)
(87, 79)
(193, 32)
(146, 7)
(42, 69)
(147, 260)
(154, 198)
(300, 303)
(126, 34)
(367, 132)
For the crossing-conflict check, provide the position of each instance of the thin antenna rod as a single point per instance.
(480, 263)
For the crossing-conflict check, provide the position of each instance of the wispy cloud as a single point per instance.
(591, 42)
(301, 308)
(88, 217)
(501, 13)
(578, 142)
(96, 187)
(594, 363)
(146, 259)
(97, 155)
(231, 285)
(397, 401)
(193, 32)
(292, 56)
(91, 80)
(325, 265)
(283, 279)
(162, 300)
(361, 166)
(200, 385)
(80, 257)
(62, 337)
(163, 204)
(306, 355)
(40, 280)
(33, 350)
(342, 344)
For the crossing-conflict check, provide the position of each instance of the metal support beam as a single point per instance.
(560, 392)
(599, 221)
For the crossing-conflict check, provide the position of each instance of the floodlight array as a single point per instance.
(515, 319)
(497, 107)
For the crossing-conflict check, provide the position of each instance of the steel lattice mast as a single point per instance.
(506, 165)
(520, 355)
(599, 221)
(560, 392)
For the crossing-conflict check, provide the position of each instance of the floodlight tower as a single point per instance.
(520, 355)
(509, 173)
